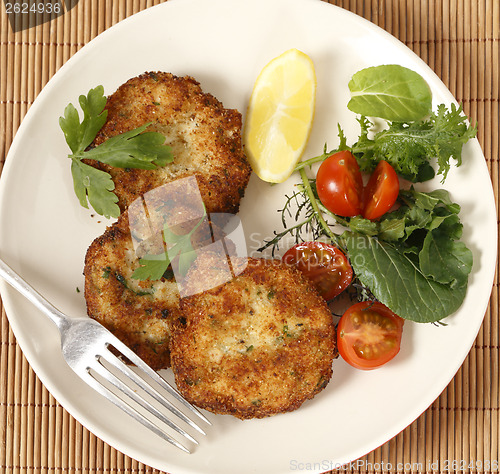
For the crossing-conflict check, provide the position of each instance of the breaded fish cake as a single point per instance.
(255, 346)
(137, 312)
(205, 138)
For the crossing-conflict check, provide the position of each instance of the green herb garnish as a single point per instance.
(409, 147)
(133, 149)
(415, 248)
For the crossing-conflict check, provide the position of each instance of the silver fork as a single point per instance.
(86, 348)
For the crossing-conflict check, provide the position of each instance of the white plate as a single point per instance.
(44, 232)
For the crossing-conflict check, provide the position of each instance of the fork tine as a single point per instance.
(96, 385)
(137, 361)
(150, 390)
(124, 388)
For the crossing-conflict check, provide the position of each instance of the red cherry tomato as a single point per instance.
(381, 191)
(369, 335)
(324, 264)
(340, 185)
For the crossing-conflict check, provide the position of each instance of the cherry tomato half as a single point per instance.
(340, 185)
(324, 264)
(369, 335)
(381, 191)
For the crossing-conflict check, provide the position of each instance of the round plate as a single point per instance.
(224, 44)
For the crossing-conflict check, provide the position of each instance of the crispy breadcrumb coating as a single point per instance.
(134, 311)
(256, 346)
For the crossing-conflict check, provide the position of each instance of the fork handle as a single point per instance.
(14, 280)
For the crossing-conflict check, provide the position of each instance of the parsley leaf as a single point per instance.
(80, 135)
(152, 267)
(96, 186)
(133, 149)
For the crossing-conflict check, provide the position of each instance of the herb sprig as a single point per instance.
(305, 209)
(133, 149)
(409, 146)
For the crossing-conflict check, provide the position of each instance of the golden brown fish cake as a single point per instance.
(137, 312)
(205, 138)
(256, 346)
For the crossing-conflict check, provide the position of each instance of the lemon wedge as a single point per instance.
(280, 115)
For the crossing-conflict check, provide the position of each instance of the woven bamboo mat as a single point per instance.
(459, 39)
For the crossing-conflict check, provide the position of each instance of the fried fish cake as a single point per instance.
(258, 345)
(138, 312)
(205, 138)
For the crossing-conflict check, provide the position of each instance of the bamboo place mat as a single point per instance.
(459, 40)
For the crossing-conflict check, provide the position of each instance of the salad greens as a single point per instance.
(391, 92)
(418, 246)
(133, 149)
(396, 281)
(409, 146)
(410, 259)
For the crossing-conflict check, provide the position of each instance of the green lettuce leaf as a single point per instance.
(445, 260)
(398, 283)
(391, 92)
